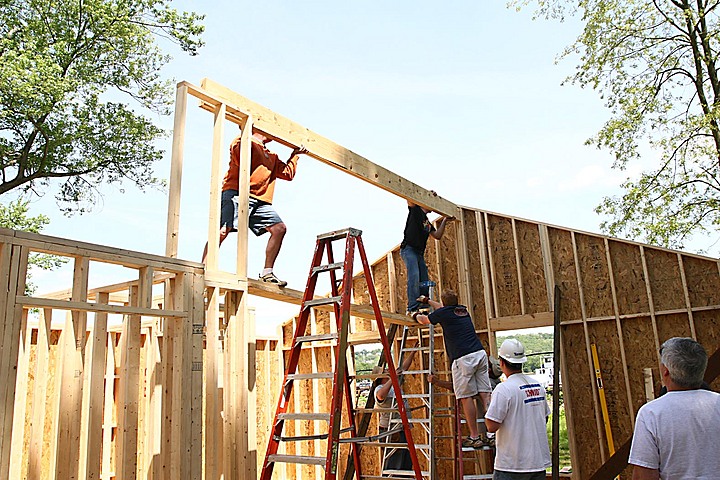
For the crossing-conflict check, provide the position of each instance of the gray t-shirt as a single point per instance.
(677, 434)
(389, 402)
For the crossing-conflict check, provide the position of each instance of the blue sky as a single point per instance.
(463, 98)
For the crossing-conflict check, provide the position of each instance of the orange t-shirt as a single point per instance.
(265, 167)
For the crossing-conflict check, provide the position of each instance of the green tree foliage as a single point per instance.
(533, 343)
(655, 63)
(15, 215)
(61, 64)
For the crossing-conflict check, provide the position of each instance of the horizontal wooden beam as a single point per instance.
(36, 302)
(293, 134)
(518, 322)
(288, 295)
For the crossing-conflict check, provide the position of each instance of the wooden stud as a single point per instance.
(42, 362)
(213, 393)
(21, 398)
(176, 166)
(616, 311)
(461, 247)
(243, 196)
(91, 421)
(487, 277)
(521, 288)
(651, 303)
(196, 381)
(591, 369)
(109, 419)
(17, 270)
(547, 262)
(687, 297)
(211, 261)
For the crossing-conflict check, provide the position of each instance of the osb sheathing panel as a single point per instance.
(361, 296)
(564, 272)
(400, 282)
(595, 276)
(665, 280)
(629, 278)
(531, 267)
(322, 321)
(672, 325)
(502, 248)
(475, 278)
(707, 328)
(303, 389)
(703, 281)
(447, 249)
(264, 402)
(431, 259)
(382, 284)
(605, 336)
(578, 385)
(640, 340)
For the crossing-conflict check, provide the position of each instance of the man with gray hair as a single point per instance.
(672, 432)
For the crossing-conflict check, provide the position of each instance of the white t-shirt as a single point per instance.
(678, 434)
(519, 404)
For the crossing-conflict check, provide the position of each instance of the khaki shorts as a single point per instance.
(470, 375)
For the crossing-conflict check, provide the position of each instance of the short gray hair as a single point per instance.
(686, 361)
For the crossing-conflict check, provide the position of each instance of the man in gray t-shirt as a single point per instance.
(674, 433)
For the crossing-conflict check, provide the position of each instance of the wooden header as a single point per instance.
(292, 134)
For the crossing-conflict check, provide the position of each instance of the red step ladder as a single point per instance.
(340, 299)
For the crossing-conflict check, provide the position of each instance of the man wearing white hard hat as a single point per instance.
(518, 413)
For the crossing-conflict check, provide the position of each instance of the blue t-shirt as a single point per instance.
(458, 330)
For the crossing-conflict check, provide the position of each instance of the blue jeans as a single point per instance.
(417, 276)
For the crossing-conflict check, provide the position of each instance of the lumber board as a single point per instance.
(176, 162)
(516, 322)
(262, 289)
(293, 134)
(36, 302)
(213, 238)
(10, 350)
(101, 253)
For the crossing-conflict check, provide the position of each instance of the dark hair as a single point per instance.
(449, 297)
(515, 367)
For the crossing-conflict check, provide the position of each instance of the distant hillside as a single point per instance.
(533, 343)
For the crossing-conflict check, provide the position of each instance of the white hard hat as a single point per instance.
(512, 351)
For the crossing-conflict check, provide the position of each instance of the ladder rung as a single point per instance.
(322, 301)
(416, 395)
(304, 416)
(328, 267)
(337, 234)
(320, 436)
(416, 349)
(375, 410)
(297, 459)
(478, 477)
(403, 473)
(317, 338)
(310, 376)
(411, 475)
(415, 372)
(392, 445)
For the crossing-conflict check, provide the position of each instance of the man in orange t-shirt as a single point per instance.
(265, 167)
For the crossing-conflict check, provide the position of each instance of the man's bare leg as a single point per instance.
(224, 231)
(470, 411)
(277, 233)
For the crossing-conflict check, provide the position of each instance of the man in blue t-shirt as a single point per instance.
(467, 356)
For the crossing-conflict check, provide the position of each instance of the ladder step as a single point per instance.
(297, 459)
(328, 267)
(375, 410)
(316, 338)
(337, 234)
(304, 416)
(478, 477)
(396, 477)
(320, 436)
(415, 349)
(394, 445)
(310, 376)
(322, 301)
